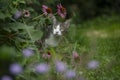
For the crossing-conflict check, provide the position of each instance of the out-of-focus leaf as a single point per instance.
(13, 10)
(6, 52)
(16, 26)
(22, 1)
(2, 16)
(36, 34)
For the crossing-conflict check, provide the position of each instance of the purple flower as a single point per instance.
(60, 66)
(93, 64)
(27, 52)
(18, 14)
(46, 10)
(6, 78)
(26, 13)
(61, 11)
(70, 74)
(15, 69)
(42, 68)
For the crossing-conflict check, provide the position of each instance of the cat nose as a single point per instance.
(56, 32)
(59, 33)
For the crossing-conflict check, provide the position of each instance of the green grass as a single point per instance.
(98, 39)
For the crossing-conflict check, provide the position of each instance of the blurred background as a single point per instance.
(94, 35)
(82, 10)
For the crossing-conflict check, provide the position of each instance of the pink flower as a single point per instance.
(46, 10)
(61, 11)
(75, 54)
(46, 55)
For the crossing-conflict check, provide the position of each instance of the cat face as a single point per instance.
(59, 28)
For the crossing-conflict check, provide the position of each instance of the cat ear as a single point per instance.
(67, 23)
(54, 20)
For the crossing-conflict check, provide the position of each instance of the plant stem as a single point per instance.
(38, 17)
(75, 46)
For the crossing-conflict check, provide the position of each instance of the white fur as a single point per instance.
(57, 30)
(51, 41)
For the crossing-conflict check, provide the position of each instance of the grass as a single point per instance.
(99, 40)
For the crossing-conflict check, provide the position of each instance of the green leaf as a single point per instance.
(17, 26)
(2, 16)
(22, 1)
(13, 10)
(6, 52)
(36, 34)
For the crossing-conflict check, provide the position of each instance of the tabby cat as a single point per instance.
(52, 33)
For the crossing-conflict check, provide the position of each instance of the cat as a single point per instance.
(52, 33)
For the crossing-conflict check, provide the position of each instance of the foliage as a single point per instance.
(18, 22)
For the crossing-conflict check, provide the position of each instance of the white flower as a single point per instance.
(26, 13)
